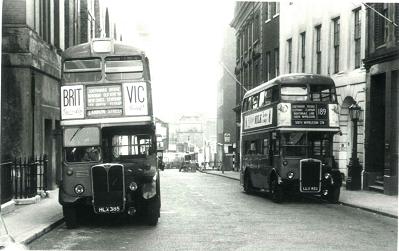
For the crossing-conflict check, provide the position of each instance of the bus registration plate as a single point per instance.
(109, 209)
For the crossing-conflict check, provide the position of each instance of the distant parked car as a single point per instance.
(189, 166)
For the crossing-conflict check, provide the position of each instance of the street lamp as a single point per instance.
(353, 181)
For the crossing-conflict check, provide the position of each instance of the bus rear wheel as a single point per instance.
(247, 184)
(70, 216)
(276, 191)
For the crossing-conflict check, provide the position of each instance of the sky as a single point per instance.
(183, 40)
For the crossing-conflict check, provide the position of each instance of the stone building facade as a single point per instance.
(34, 33)
(329, 39)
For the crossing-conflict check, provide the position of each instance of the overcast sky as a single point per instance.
(183, 40)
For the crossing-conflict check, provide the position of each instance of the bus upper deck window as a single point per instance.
(322, 93)
(255, 101)
(82, 70)
(124, 68)
(294, 93)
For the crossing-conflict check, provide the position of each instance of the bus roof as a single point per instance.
(85, 50)
(293, 78)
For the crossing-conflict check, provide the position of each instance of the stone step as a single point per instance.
(379, 182)
(377, 188)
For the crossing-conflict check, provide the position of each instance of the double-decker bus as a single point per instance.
(287, 129)
(109, 153)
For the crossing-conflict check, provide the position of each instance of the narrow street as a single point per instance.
(206, 212)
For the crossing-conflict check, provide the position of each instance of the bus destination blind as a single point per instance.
(309, 115)
(104, 100)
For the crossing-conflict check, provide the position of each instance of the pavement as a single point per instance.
(26, 222)
(366, 200)
(28, 219)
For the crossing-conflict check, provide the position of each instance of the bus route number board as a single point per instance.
(309, 114)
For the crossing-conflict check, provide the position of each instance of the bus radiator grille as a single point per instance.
(310, 176)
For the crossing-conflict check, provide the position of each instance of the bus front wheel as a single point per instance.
(333, 194)
(276, 191)
(153, 211)
(70, 216)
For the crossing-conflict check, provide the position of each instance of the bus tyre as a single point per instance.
(247, 184)
(333, 194)
(153, 211)
(70, 216)
(276, 191)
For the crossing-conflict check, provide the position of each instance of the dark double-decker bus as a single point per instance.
(287, 129)
(109, 155)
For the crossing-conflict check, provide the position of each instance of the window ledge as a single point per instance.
(268, 20)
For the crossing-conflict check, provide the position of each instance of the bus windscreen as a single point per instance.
(81, 136)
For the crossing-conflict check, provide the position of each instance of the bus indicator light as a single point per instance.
(284, 114)
(333, 115)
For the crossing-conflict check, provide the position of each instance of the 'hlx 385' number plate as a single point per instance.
(108, 209)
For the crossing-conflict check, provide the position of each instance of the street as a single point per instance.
(207, 212)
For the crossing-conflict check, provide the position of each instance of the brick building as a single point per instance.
(226, 121)
(257, 49)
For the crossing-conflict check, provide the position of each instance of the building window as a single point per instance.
(336, 44)
(238, 47)
(380, 24)
(57, 24)
(289, 58)
(397, 21)
(277, 8)
(357, 36)
(250, 34)
(318, 49)
(245, 38)
(45, 22)
(385, 13)
(268, 11)
(250, 70)
(303, 44)
(272, 6)
(256, 73)
(267, 66)
(256, 28)
(276, 62)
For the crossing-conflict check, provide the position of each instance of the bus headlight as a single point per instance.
(290, 175)
(79, 189)
(133, 186)
(284, 114)
(333, 115)
(327, 176)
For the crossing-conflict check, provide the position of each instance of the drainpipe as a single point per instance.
(33, 96)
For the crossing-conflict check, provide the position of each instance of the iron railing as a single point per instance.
(23, 177)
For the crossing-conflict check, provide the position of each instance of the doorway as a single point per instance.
(377, 123)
